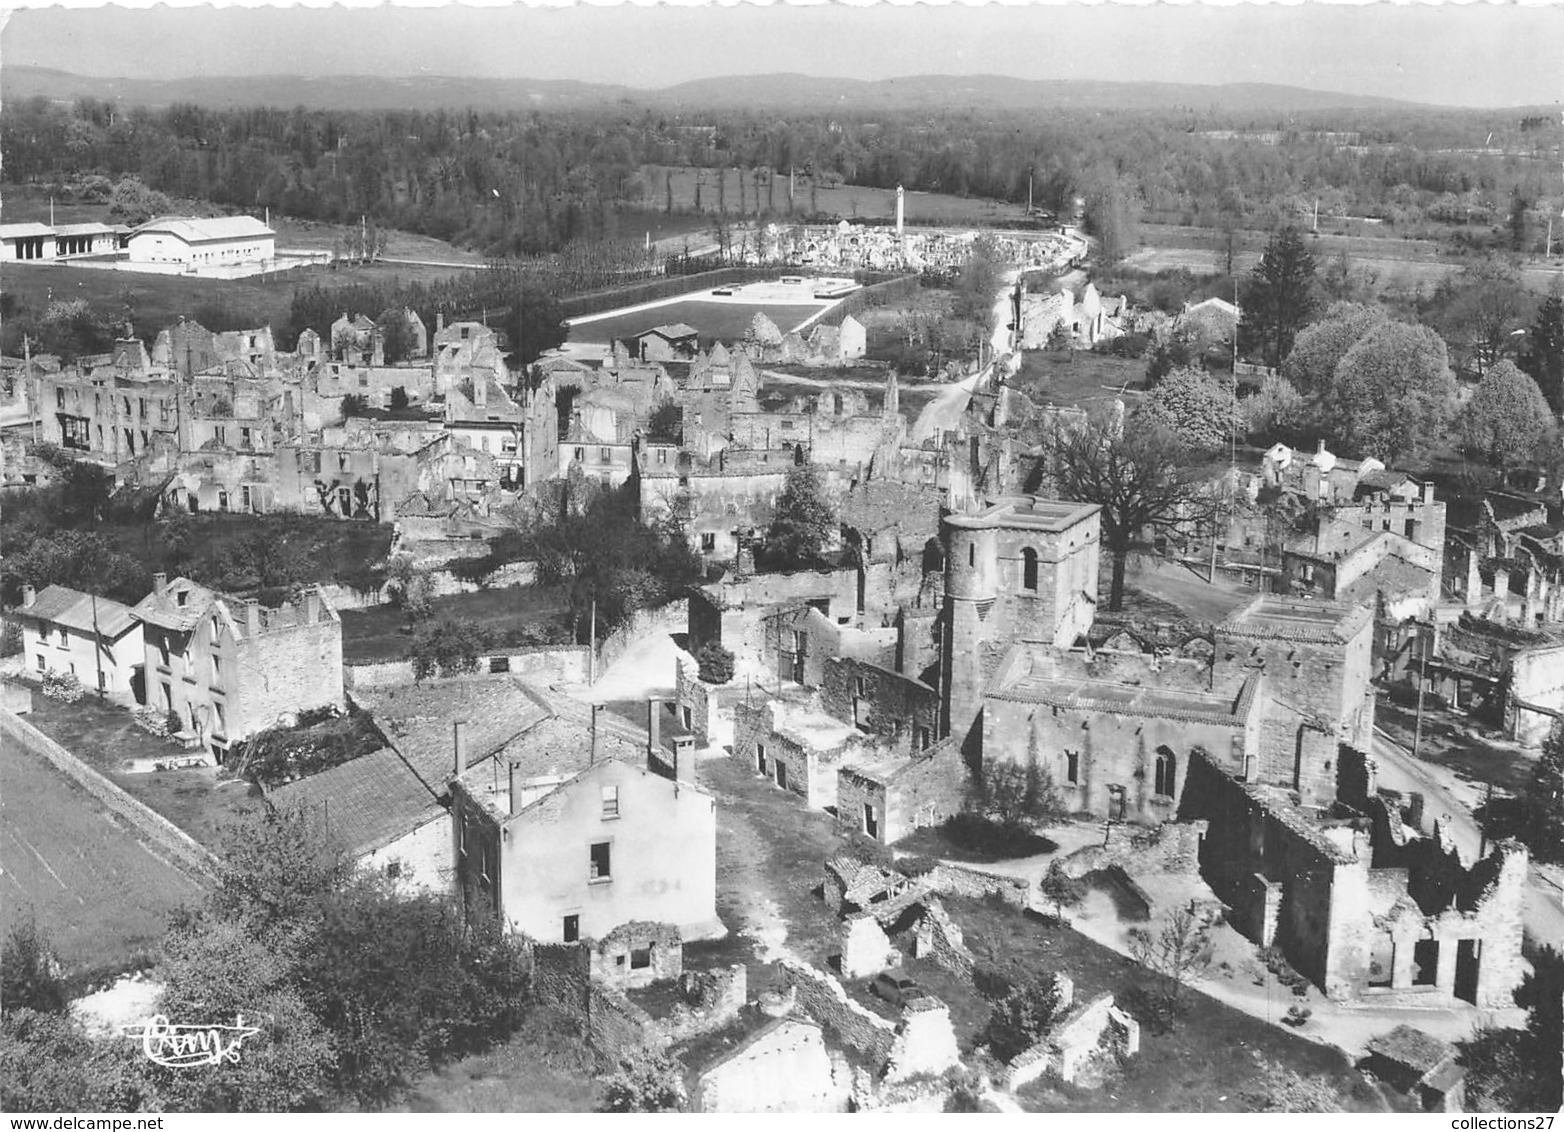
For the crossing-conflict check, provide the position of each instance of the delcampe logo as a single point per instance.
(181, 1047)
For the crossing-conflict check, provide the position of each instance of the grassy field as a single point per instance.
(198, 800)
(380, 633)
(1078, 377)
(845, 200)
(99, 893)
(542, 1067)
(717, 322)
(1394, 263)
(1205, 1064)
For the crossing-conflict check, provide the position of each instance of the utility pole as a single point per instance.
(97, 643)
(34, 389)
(592, 646)
(1422, 680)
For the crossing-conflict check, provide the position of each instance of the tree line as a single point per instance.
(517, 183)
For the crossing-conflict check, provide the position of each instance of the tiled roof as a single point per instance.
(676, 330)
(1411, 1047)
(418, 721)
(1277, 618)
(368, 802)
(167, 611)
(1130, 699)
(61, 605)
(1394, 577)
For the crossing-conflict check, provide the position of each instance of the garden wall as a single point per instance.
(165, 833)
(670, 619)
(554, 664)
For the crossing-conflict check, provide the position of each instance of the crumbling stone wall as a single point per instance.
(785, 1067)
(879, 700)
(925, 1042)
(637, 954)
(1170, 848)
(1086, 1031)
(610, 1023)
(822, 998)
(695, 700)
(957, 880)
(923, 791)
(866, 949)
(1356, 779)
(938, 938)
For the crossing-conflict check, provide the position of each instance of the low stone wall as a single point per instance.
(958, 880)
(184, 848)
(823, 998)
(715, 999)
(1170, 848)
(553, 664)
(1093, 1029)
(608, 1021)
(671, 618)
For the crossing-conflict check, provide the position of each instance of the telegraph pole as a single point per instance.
(97, 643)
(592, 646)
(1422, 680)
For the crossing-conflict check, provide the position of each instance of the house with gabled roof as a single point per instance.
(568, 835)
(673, 343)
(70, 633)
(202, 242)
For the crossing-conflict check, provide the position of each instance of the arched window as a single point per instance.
(1029, 569)
(1167, 771)
(971, 554)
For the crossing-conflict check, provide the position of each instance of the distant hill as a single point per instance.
(780, 91)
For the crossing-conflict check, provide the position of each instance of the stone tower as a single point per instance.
(1024, 568)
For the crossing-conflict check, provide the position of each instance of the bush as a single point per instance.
(1022, 1017)
(29, 972)
(645, 1082)
(716, 664)
(63, 687)
(172, 723)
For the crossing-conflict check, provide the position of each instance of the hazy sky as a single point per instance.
(1475, 54)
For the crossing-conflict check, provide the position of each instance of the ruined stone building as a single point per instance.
(227, 667)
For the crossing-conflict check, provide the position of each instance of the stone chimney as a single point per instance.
(459, 744)
(29, 595)
(439, 321)
(744, 557)
(377, 353)
(252, 618)
(654, 727)
(312, 605)
(1501, 590)
(513, 801)
(597, 735)
(684, 759)
(159, 583)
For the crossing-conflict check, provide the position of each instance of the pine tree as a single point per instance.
(1543, 356)
(1281, 294)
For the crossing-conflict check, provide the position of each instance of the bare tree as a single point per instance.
(1179, 951)
(1140, 474)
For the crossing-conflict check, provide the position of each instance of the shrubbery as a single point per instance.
(63, 687)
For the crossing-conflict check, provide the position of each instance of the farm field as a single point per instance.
(847, 201)
(1395, 264)
(716, 321)
(99, 893)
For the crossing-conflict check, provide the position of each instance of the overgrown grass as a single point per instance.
(380, 633)
(543, 1067)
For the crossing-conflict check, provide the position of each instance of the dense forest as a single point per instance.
(519, 183)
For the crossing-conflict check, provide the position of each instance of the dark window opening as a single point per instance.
(600, 866)
(1072, 767)
(1029, 569)
(640, 958)
(572, 928)
(1167, 769)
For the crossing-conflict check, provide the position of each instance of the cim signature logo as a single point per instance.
(180, 1047)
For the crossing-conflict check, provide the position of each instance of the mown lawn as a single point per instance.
(1078, 377)
(381, 633)
(98, 891)
(717, 322)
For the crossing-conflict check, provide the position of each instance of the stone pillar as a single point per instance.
(1501, 590)
(1474, 579)
(1444, 974)
(1401, 962)
(1529, 602)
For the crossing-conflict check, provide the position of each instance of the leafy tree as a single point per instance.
(354, 405)
(1393, 392)
(1196, 406)
(275, 867)
(1020, 1019)
(214, 971)
(1062, 889)
(399, 399)
(716, 664)
(667, 421)
(1177, 351)
(1518, 1070)
(803, 523)
(451, 648)
(1111, 216)
(1543, 354)
(645, 1082)
(1178, 951)
(1518, 221)
(410, 588)
(1276, 410)
(978, 283)
(48, 1063)
(1311, 363)
(1507, 421)
(535, 324)
(396, 337)
(1280, 297)
(1478, 310)
(132, 203)
(1535, 816)
(1141, 477)
(1016, 794)
(30, 972)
